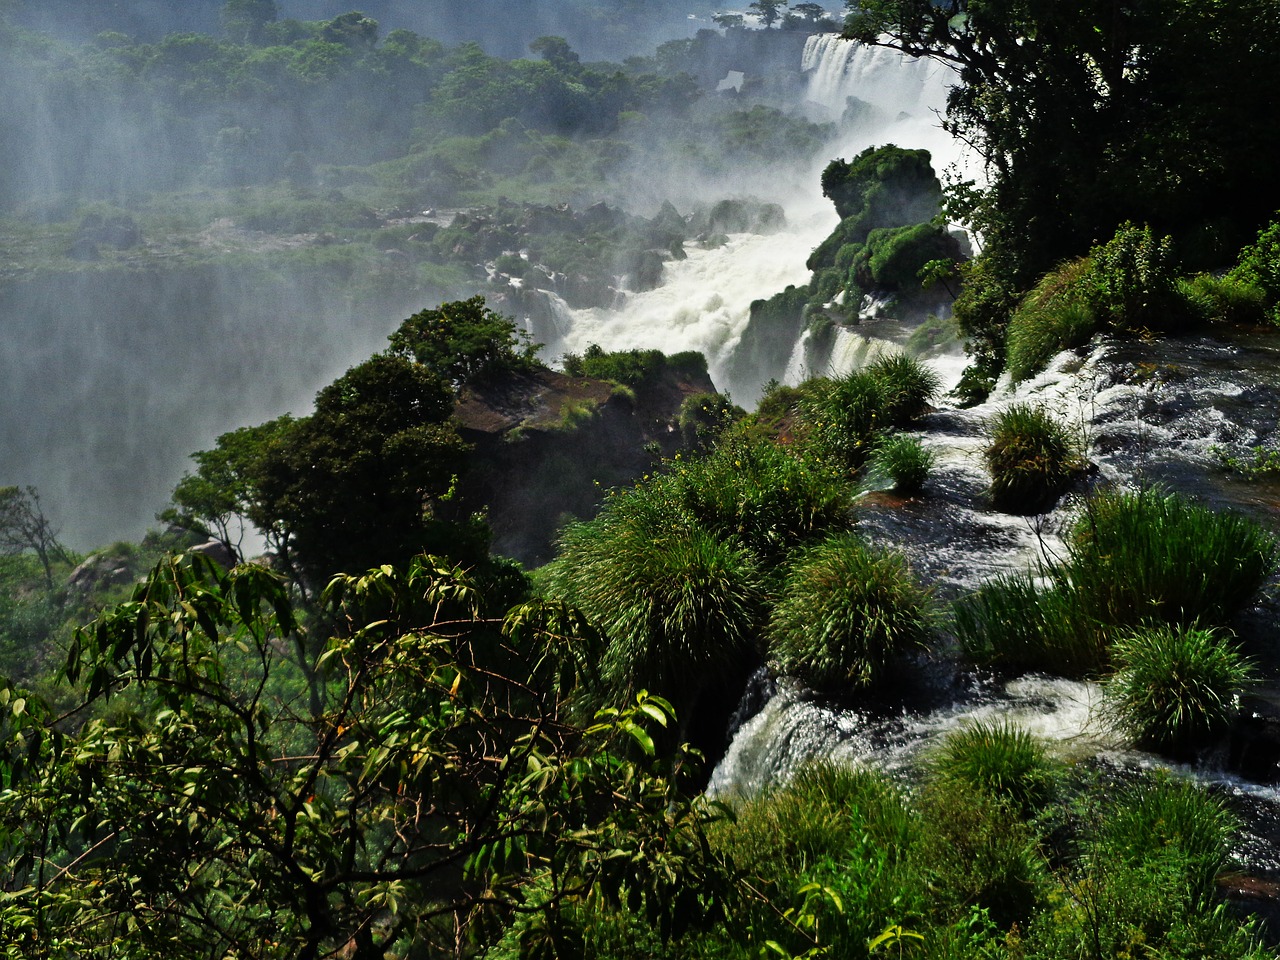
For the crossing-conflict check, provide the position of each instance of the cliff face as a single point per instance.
(547, 446)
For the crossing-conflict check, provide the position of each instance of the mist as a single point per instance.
(198, 236)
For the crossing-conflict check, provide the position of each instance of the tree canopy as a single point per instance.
(1090, 113)
(261, 791)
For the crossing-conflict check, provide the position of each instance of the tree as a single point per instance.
(810, 12)
(557, 52)
(224, 492)
(463, 341)
(729, 21)
(353, 30)
(23, 527)
(1091, 113)
(245, 20)
(413, 781)
(769, 12)
(370, 477)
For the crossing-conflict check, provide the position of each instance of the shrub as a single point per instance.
(1133, 560)
(1175, 688)
(996, 758)
(768, 497)
(1133, 281)
(1259, 266)
(1056, 315)
(849, 831)
(845, 612)
(678, 605)
(704, 416)
(1149, 555)
(840, 417)
(1224, 299)
(892, 257)
(977, 852)
(906, 385)
(1032, 459)
(1162, 819)
(904, 460)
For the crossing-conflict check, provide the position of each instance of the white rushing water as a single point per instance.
(894, 85)
(704, 302)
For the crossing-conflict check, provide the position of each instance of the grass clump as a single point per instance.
(906, 386)
(1032, 459)
(904, 460)
(832, 830)
(1151, 555)
(1134, 560)
(840, 417)
(1029, 622)
(1175, 688)
(1224, 299)
(1055, 316)
(997, 758)
(680, 607)
(767, 497)
(845, 611)
(1162, 819)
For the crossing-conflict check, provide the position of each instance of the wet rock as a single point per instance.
(218, 552)
(99, 572)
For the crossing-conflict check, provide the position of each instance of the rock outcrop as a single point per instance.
(548, 445)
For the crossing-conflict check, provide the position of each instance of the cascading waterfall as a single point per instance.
(1147, 412)
(885, 80)
(1136, 424)
(704, 302)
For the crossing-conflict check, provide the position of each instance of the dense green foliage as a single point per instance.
(845, 612)
(463, 342)
(1134, 560)
(1032, 459)
(1127, 285)
(1087, 116)
(388, 787)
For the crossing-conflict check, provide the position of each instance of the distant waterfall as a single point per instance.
(704, 302)
(887, 81)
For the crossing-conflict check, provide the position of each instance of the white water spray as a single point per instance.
(705, 301)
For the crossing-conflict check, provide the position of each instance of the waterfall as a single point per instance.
(704, 302)
(890, 82)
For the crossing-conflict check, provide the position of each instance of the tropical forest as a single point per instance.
(639, 480)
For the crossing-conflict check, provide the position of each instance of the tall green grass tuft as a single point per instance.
(1032, 459)
(1150, 555)
(1176, 687)
(999, 759)
(679, 606)
(1134, 559)
(841, 417)
(770, 498)
(904, 460)
(906, 386)
(845, 612)
(1027, 622)
(1224, 299)
(1054, 316)
(1162, 819)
